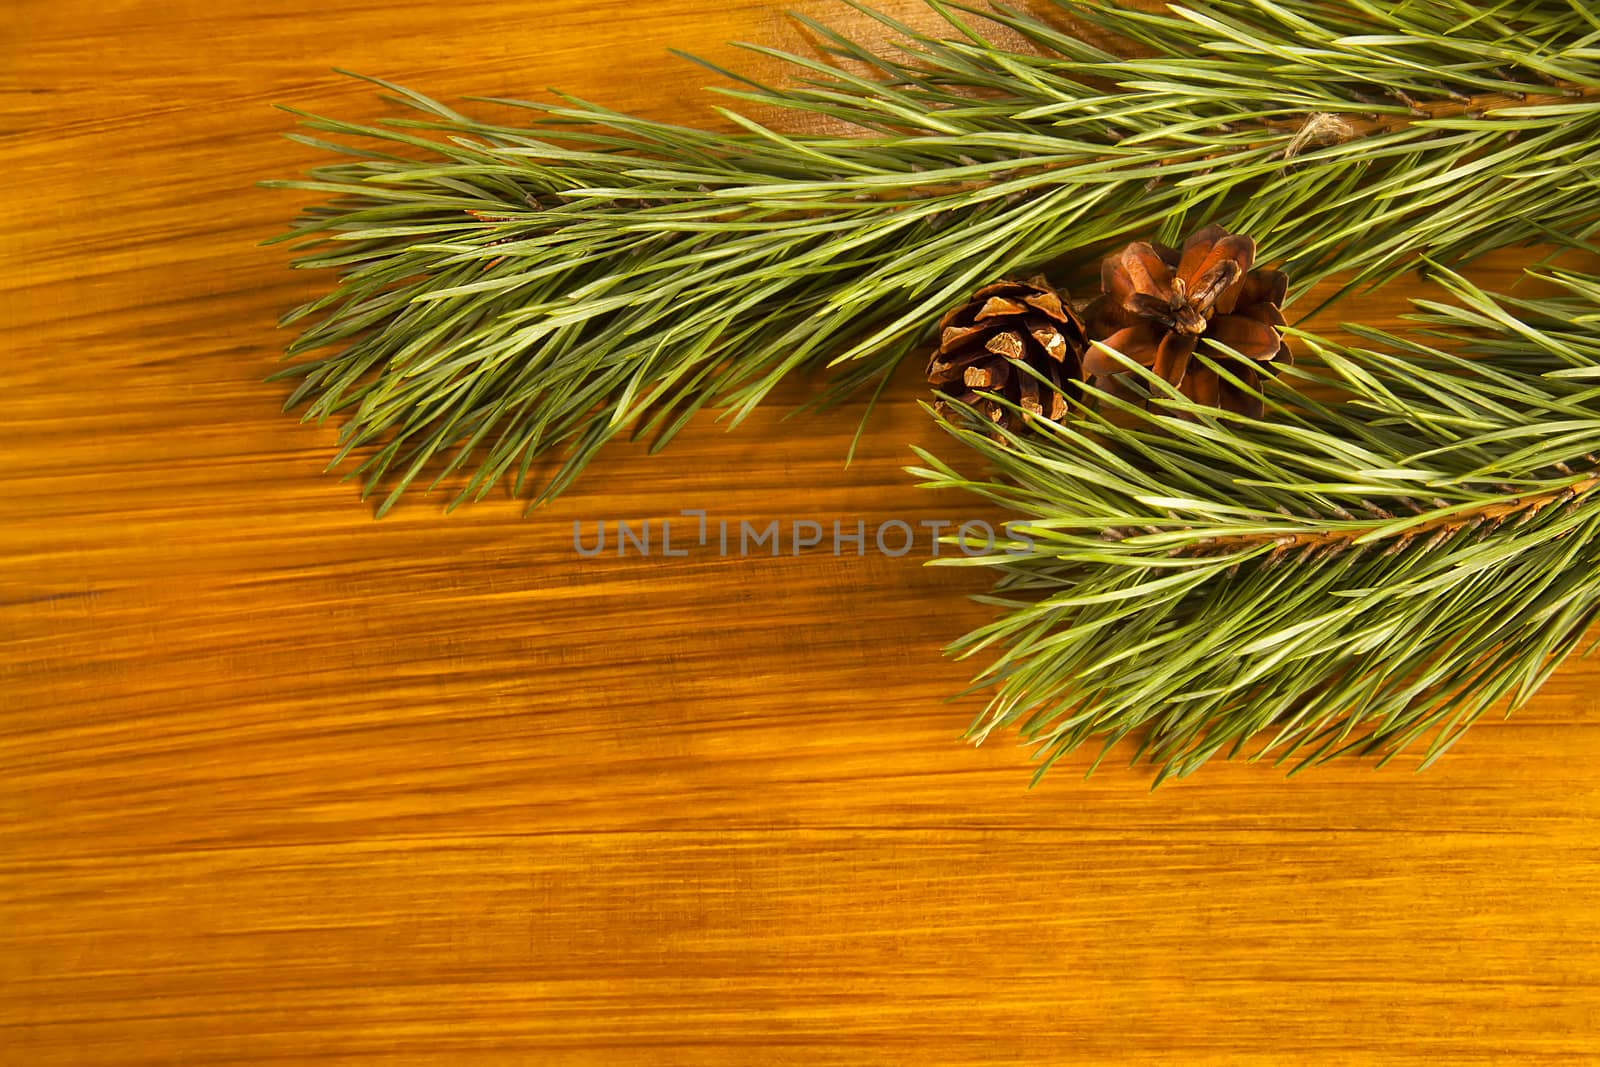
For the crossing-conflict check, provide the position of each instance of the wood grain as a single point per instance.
(279, 783)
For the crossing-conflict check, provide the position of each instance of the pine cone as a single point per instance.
(1160, 305)
(1006, 324)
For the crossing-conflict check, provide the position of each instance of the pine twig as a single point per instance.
(1318, 128)
(1448, 521)
(1175, 583)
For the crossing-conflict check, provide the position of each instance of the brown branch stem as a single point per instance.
(1310, 129)
(1521, 508)
(1317, 127)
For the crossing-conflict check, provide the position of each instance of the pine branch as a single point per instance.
(1342, 578)
(527, 290)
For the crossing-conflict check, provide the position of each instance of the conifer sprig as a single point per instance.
(1351, 577)
(507, 292)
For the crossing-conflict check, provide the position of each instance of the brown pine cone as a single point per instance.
(982, 342)
(1160, 305)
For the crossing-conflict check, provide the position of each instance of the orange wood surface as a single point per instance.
(282, 783)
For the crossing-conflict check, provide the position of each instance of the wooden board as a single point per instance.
(282, 783)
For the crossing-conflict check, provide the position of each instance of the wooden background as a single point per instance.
(279, 783)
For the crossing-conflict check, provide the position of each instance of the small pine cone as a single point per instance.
(1160, 305)
(982, 342)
